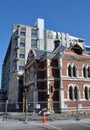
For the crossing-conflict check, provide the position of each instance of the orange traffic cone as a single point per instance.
(44, 118)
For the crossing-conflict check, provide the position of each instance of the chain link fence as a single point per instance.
(34, 111)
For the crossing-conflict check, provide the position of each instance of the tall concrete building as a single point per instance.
(22, 40)
(87, 48)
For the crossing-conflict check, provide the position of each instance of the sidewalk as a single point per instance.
(36, 117)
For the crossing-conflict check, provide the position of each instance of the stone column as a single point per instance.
(61, 89)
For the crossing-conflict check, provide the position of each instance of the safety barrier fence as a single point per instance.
(35, 111)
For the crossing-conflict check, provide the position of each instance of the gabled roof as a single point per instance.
(34, 54)
(76, 52)
(76, 49)
(38, 53)
(42, 53)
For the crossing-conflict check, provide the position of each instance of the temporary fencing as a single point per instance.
(34, 111)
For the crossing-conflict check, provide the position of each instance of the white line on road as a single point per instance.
(54, 127)
(48, 125)
(80, 123)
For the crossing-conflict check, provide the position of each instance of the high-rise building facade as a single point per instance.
(22, 40)
(87, 48)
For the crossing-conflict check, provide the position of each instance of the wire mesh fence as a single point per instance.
(35, 111)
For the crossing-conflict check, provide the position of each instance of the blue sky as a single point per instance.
(69, 16)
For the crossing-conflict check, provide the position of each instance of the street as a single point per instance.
(83, 124)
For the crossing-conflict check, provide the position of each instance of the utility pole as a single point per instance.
(23, 105)
(6, 105)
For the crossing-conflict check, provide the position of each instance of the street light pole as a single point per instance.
(77, 116)
(25, 106)
(6, 105)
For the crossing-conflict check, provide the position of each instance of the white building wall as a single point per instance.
(28, 42)
(13, 90)
(40, 25)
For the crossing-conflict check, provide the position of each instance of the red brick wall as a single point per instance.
(76, 62)
(76, 81)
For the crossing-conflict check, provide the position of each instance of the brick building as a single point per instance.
(58, 80)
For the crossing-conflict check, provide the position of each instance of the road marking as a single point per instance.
(48, 125)
(54, 127)
(83, 124)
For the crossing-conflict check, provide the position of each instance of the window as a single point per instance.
(86, 93)
(72, 71)
(14, 67)
(84, 72)
(87, 49)
(69, 70)
(88, 71)
(22, 44)
(34, 43)
(21, 67)
(16, 32)
(14, 55)
(76, 92)
(22, 33)
(71, 93)
(34, 33)
(89, 92)
(22, 55)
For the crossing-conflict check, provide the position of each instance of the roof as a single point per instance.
(60, 49)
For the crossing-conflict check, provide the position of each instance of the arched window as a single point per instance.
(88, 71)
(76, 93)
(89, 92)
(69, 70)
(86, 93)
(74, 71)
(84, 72)
(71, 93)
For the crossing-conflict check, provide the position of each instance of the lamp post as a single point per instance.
(77, 116)
(6, 105)
(50, 98)
(52, 94)
(25, 106)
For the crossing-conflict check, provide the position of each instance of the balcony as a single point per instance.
(16, 59)
(15, 48)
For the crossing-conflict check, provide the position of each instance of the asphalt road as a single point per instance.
(49, 125)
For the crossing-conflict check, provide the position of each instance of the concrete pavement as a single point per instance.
(83, 124)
